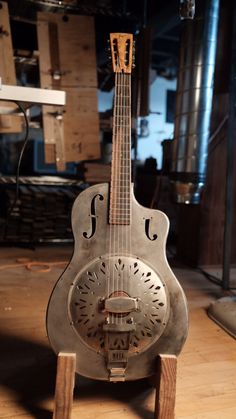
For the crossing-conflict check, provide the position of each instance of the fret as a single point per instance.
(122, 163)
(122, 126)
(123, 159)
(121, 193)
(123, 180)
(124, 192)
(120, 215)
(120, 222)
(117, 204)
(120, 200)
(122, 107)
(122, 115)
(122, 154)
(123, 183)
(121, 189)
(122, 173)
(121, 96)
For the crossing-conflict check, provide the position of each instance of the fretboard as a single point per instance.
(120, 203)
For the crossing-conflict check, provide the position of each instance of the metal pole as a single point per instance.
(230, 160)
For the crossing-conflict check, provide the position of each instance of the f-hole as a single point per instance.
(147, 230)
(93, 217)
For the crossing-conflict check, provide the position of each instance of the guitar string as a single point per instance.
(125, 196)
(112, 192)
(123, 187)
(119, 135)
(124, 169)
(120, 231)
(119, 177)
(129, 174)
(122, 151)
(117, 184)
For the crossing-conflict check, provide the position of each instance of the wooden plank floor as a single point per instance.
(206, 383)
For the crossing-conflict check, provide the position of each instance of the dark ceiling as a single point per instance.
(162, 17)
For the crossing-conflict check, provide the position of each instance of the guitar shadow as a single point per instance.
(28, 369)
(133, 394)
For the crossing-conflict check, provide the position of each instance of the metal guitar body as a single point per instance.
(115, 308)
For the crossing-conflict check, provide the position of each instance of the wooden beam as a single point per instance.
(65, 380)
(166, 387)
(8, 123)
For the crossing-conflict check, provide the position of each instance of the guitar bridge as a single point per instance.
(120, 304)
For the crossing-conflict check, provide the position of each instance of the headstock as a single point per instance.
(122, 52)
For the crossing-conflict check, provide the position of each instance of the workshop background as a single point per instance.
(183, 163)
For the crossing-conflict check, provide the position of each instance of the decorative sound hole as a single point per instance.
(133, 278)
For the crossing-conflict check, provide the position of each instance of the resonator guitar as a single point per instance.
(118, 304)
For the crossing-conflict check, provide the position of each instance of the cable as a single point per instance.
(34, 265)
(26, 138)
(22, 150)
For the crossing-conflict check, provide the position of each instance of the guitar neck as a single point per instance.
(121, 152)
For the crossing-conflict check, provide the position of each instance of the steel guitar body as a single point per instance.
(76, 318)
(118, 304)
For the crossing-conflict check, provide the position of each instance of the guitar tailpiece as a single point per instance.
(117, 363)
(117, 346)
(117, 374)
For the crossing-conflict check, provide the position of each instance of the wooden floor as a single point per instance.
(206, 384)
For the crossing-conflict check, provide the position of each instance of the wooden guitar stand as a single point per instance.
(165, 383)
